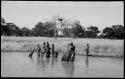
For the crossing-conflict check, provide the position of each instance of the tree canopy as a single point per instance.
(69, 28)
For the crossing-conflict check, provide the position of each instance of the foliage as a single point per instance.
(92, 32)
(70, 29)
(114, 32)
(78, 30)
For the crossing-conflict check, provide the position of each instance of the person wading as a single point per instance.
(87, 49)
(54, 53)
(44, 48)
(72, 52)
(48, 50)
(53, 49)
(38, 50)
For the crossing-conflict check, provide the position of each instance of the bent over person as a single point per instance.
(70, 54)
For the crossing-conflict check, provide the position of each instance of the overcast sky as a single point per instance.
(29, 13)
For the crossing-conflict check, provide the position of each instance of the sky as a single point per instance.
(29, 13)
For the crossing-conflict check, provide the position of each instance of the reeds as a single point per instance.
(97, 46)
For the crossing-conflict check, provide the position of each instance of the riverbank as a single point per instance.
(98, 47)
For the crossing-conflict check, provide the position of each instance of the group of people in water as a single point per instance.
(45, 50)
(50, 51)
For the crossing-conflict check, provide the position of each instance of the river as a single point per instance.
(18, 64)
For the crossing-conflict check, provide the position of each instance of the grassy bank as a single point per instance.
(98, 47)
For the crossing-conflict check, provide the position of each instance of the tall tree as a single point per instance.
(13, 29)
(92, 31)
(44, 29)
(39, 29)
(50, 29)
(114, 32)
(25, 31)
(78, 30)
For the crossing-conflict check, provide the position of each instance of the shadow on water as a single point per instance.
(68, 68)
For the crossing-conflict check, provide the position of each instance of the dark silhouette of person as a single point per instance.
(53, 49)
(87, 49)
(48, 50)
(44, 48)
(72, 52)
(38, 50)
(54, 53)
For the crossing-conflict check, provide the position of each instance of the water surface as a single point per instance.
(18, 64)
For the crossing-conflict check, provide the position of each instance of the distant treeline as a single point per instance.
(76, 30)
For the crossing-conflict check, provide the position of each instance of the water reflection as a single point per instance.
(68, 68)
(19, 65)
(44, 62)
(53, 62)
(87, 61)
(87, 64)
(41, 63)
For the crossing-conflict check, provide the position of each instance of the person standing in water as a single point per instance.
(72, 52)
(44, 48)
(48, 50)
(54, 53)
(38, 50)
(87, 49)
(53, 49)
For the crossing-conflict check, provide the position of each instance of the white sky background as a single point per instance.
(29, 13)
